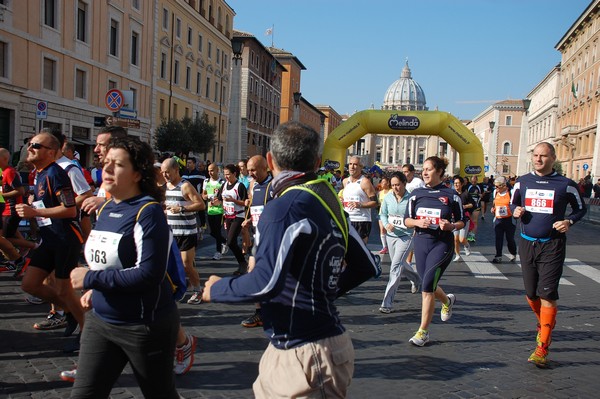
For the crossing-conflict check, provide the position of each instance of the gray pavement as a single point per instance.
(481, 352)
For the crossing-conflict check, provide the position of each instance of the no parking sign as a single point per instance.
(114, 100)
(41, 110)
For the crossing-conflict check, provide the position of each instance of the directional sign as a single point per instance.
(114, 100)
(586, 166)
(41, 110)
(123, 122)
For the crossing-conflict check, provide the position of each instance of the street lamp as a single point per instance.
(494, 140)
(297, 97)
(524, 140)
(234, 136)
(322, 133)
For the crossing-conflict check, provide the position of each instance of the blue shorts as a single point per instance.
(433, 254)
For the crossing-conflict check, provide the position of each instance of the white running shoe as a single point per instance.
(457, 258)
(420, 338)
(446, 313)
(468, 250)
(512, 258)
(224, 249)
(184, 356)
(414, 288)
(217, 256)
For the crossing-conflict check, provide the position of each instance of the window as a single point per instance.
(165, 19)
(218, 56)
(114, 38)
(188, 77)
(505, 169)
(508, 120)
(163, 65)
(161, 108)
(50, 13)
(176, 73)
(209, 50)
(112, 84)
(207, 93)
(198, 83)
(175, 110)
(3, 60)
(506, 150)
(135, 4)
(80, 83)
(200, 43)
(78, 132)
(189, 38)
(178, 28)
(49, 74)
(216, 91)
(134, 47)
(81, 21)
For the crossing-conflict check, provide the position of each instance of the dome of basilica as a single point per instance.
(405, 94)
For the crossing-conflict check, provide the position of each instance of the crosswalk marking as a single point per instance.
(481, 267)
(562, 281)
(583, 268)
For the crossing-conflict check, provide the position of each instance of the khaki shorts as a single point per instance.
(321, 369)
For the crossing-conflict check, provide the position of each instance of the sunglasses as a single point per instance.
(500, 185)
(37, 146)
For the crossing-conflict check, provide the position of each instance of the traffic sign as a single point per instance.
(114, 100)
(41, 110)
(486, 168)
(586, 166)
(123, 122)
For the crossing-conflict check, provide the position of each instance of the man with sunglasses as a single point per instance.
(56, 213)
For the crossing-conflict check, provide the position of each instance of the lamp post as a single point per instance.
(322, 132)
(234, 153)
(494, 140)
(525, 140)
(297, 97)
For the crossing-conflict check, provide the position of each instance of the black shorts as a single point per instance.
(60, 257)
(363, 228)
(185, 243)
(9, 225)
(542, 266)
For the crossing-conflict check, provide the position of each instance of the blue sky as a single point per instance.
(465, 54)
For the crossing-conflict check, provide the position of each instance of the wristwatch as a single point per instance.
(571, 222)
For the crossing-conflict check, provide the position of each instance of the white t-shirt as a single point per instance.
(415, 183)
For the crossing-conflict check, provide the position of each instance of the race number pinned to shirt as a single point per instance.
(41, 221)
(347, 200)
(255, 212)
(432, 214)
(396, 221)
(102, 250)
(502, 212)
(539, 201)
(229, 208)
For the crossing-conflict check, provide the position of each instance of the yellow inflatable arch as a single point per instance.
(410, 123)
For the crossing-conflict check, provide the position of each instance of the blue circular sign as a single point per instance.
(586, 166)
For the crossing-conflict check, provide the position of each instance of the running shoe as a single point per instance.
(224, 249)
(196, 298)
(538, 357)
(446, 313)
(21, 265)
(385, 310)
(420, 338)
(457, 258)
(8, 267)
(468, 250)
(538, 336)
(253, 321)
(497, 259)
(34, 300)
(71, 325)
(384, 251)
(217, 256)
(52, 322)
(512, 258)
(184, 356)
(68, 375)
(414, 288)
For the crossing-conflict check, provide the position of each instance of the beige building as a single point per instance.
(499, 129)
(577, 144)
(64, 56)
(193, 64)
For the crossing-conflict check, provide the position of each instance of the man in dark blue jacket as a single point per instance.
(306, 256)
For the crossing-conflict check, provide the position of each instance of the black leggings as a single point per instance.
(234, 227)
(214, 223)
(505, 227)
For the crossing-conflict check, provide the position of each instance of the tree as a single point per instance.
(557, 166)
(185, 135)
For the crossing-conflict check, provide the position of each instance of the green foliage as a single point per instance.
(557, 166)
(185, 135)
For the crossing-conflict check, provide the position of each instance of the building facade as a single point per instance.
(193, 64)
(576, 141)
(63, 56)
